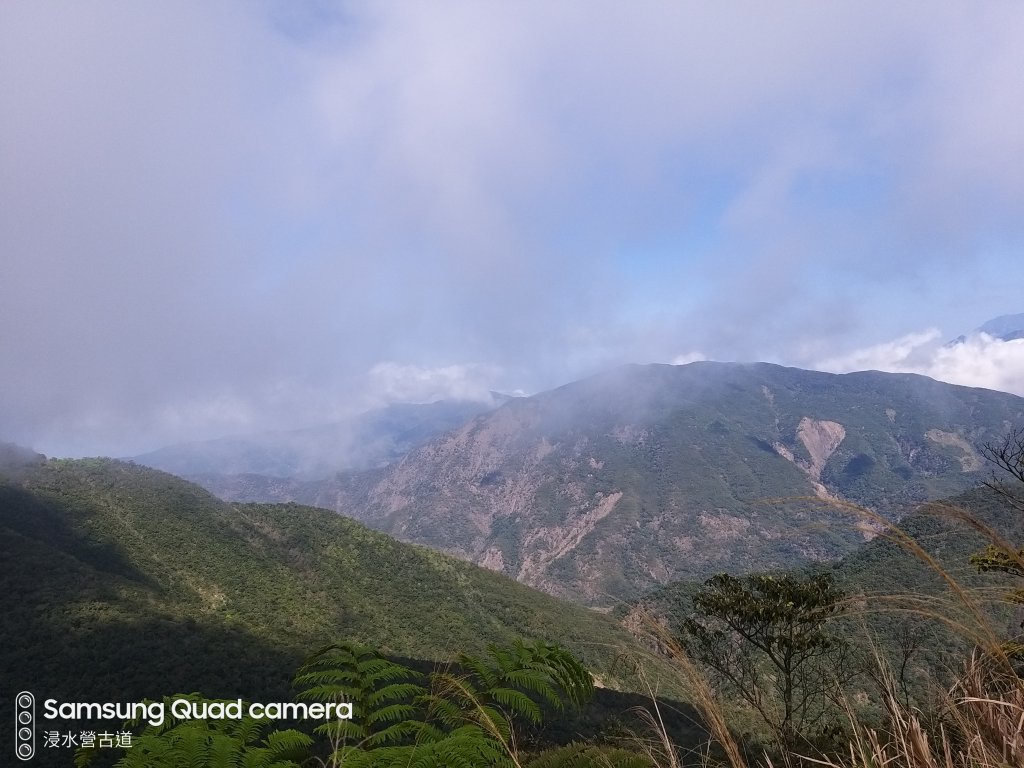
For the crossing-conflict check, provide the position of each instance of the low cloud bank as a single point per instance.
(979, 360)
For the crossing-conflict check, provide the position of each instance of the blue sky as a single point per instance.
(218, 218)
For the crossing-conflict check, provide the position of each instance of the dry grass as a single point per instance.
(983, 727)
(977, 723)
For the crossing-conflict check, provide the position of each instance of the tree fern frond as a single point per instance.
(394, 691)
(281, 743)
(394, 735)
(349, 730)
(578, 755)
(516, 703)
(390, 714)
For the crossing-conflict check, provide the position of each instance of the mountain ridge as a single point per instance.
(1002, 328)
(599, 489)
(92, 545)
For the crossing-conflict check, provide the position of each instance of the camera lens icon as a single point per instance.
(24, 722)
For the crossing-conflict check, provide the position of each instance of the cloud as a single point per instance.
(978, 361)
(689, 357)
(982, 361)
(222, 216)
(394, 382)
(902, 355)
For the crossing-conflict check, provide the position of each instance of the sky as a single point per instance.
(224, 217)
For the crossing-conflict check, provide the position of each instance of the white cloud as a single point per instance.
(982, 361)
(689, 357)
(978, 361)
(396, 382)
(897, 355)
(186, 213)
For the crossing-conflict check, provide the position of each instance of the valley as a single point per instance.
(617, 496)
(607, 487)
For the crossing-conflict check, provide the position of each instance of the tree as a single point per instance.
(465, 719)
(383, 693)
(1008, 456)
(511, 683)
(764, 637)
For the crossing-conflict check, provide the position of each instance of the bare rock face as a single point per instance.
(820, 438)
(969, 459)
(544, 545)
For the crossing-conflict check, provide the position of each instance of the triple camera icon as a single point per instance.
(25, 725)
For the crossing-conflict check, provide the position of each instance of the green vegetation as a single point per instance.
(460, 716)
(135, 583)
(765, 639)
(1002, 556)
(131, 584)
(465, 716)
(215, 742)
(702, 464)
(924, 619)
(97, 543)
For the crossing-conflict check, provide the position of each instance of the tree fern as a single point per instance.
(384, 695)
(511, 683)
(466, 746)
(578, 755)
(225, 743)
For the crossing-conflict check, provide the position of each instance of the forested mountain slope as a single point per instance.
(646, 474)
(121, 581)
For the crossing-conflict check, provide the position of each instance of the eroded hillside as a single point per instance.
(646, 474)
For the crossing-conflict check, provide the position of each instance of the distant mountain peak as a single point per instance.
(1004, 328)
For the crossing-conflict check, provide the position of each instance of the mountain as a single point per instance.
(1004, 327)
(16, 459)
(914, 587)
(606, 487)
(370, 439)
(127, 582)
(122, 583)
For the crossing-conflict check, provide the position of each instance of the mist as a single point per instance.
(229, 218)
